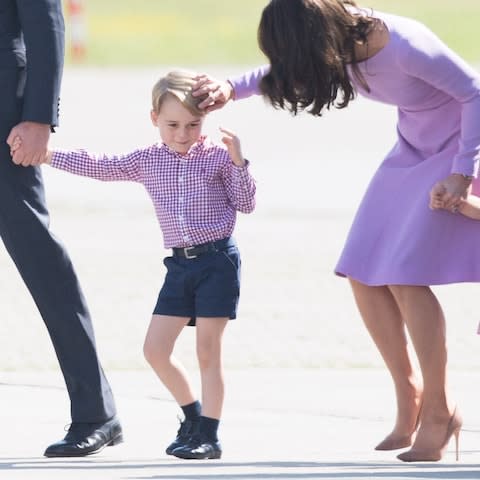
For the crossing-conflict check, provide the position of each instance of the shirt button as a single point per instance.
(180, 199)
(180, 179)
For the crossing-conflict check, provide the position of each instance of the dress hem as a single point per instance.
(417, 283)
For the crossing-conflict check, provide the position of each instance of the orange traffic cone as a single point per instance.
(78, 31)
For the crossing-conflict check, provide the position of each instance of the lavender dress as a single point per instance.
(395, 238)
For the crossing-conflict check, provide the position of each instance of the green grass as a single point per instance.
(208, 32)
(454, 21)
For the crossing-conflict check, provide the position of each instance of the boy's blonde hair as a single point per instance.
(177, 83)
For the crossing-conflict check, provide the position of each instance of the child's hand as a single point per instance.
(16, 144)
(441, 196)
(233, 145)
(451, 190)
(436, 196)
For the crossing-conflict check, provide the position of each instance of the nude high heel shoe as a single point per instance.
(436, 454)
(395, 443)
(391, 442)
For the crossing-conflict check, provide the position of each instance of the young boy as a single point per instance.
(197, 188)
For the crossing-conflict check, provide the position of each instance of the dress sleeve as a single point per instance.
(246, 85)
(126, 167)
(428, 58)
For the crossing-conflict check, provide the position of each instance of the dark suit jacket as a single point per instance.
(31, 61)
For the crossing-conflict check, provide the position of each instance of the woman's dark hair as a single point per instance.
(309, 44)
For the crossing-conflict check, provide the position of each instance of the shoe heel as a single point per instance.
(115, 441)
(457, 439)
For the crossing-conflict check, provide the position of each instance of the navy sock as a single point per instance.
(192, 410)
(209, 427)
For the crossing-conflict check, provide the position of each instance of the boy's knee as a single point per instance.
(207, 356)
(151, 352)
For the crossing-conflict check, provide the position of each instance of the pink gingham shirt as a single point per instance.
(196, 195)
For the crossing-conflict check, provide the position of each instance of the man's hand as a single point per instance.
(34, 140)
(217, 93)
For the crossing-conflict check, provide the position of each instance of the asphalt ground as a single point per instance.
(277, 424)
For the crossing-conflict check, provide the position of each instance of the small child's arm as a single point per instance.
(239, 184)
(232, 143)
(470, 207)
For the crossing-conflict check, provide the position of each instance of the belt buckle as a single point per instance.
(187, 255)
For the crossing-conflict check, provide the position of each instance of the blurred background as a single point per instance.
(213, 32)
(311, 174)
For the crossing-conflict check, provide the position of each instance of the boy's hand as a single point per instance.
(218, 93)
(15, 145)
(233, 145)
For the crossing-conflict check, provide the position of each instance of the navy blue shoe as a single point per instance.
(199, 448)
(186, 430)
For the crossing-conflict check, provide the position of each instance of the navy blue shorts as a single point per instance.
(205, 286)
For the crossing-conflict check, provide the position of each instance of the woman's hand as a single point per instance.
(450, 192)
(233, 145)
(218, 93)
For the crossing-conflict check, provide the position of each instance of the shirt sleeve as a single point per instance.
(429, 59)
(247, 84)
(100, 166)
(240, 186)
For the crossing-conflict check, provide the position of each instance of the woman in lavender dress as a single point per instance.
(323, 52)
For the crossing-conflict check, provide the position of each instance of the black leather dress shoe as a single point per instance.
(87, 438)
(186, 430)
(199, 448)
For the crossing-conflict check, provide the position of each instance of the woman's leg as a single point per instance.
(209, 353)
(384, 322)
(426, 325)
(158, 348)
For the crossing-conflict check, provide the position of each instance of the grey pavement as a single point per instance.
(277, 424)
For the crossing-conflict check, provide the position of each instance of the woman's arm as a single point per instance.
(426, 57)
(219, 92)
